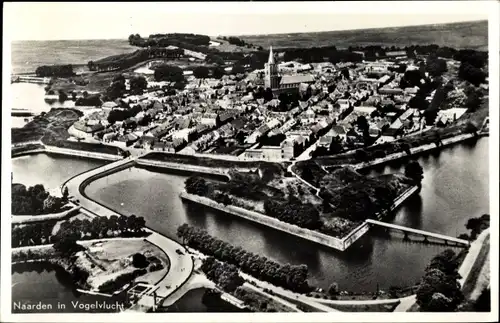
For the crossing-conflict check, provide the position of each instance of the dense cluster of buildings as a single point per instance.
(227, 116)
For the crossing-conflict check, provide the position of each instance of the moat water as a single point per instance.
(455, 188)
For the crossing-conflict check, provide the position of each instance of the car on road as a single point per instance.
(179, 252)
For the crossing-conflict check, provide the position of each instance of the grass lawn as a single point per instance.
(107, 260)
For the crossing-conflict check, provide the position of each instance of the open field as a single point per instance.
(472, 35)
(105, 261)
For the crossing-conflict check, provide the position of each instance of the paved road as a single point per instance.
(299, 297)
(181, 264)
(293, 307)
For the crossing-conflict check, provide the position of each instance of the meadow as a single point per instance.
(472, 35)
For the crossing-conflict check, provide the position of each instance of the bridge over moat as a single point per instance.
(426, 234)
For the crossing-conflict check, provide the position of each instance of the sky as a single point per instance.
(56, 21)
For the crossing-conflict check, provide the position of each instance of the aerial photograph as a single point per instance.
(164, 166)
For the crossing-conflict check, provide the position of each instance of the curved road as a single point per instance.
(181, 264)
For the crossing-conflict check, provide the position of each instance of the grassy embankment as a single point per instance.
(277, 168)
(53, 124)
(52, 129)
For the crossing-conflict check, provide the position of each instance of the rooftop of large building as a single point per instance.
(297, 79)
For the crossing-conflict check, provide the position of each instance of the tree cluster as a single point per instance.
(472, 74)
(97, 228)
(477, 225)
(90, 100)
(67, 245)
(414, 171)
(196, 185)
(117, 88)
(169, 73)
(236, 41)
(291, 277)
(34, 200)
(439, 290)
(295, 212)
(361, 197)
(120, 115)
(55, 70)
(224, 275)
(435, 66)
(411, 79)
(138, 84)
(201, 72)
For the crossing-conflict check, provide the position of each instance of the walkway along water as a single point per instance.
(181, 265)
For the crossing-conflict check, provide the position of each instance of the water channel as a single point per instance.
(455, 188)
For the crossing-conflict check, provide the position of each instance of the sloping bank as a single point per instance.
(21, 151)
(314, 236)
(22, 219)
(415, 151)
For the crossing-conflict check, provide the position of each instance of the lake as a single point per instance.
(35, 282)
(28, 96)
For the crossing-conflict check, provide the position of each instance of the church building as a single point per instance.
(280, 83)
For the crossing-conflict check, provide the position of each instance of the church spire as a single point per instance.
(271, 56)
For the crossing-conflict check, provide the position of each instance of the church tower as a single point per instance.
(271, 78)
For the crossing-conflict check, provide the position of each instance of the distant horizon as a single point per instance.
(258, 34)
(44, 21)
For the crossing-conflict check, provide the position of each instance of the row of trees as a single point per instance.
(288, 276)
(439, 289)
(35, 200)
(55, 70)
(98, 227)
(224, 275)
